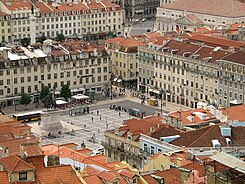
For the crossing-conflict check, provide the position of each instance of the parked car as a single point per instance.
(137, 20)
(143, 20)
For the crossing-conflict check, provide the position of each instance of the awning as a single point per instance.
(139, 11)
(57, 92)
(77, 90)
(119, 80)
(236, 102)
(60, 102)
(115, 79)
(80, 97)
(156, 91)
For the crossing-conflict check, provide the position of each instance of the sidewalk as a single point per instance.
(10, 110)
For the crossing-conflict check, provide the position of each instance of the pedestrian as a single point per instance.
(119, 113)
(84, 125)
(92, 118)
(98, 130)
(97, 112)
(100, 117)
(106, 126)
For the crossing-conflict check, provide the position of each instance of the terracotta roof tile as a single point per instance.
(14, 163)
(164, 130)
(236, 57)
(149, 179)
(63, 173)
(14, 145)
(170, 176)
(93, 179)
(109, 176)
(138, 126)
(4, 177)
(32, 150)
(196, 166)
(194, 113)
(216, 41)
(126, 173)
(126, 42)
(227, 8)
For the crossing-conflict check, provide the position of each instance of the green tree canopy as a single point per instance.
(65, 91)
(60, 37)
(25, 42)
(44, 92)
(41, 38)
(25, 99)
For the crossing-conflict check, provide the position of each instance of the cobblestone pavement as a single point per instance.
(85, 128)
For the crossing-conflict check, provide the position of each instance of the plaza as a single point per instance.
(79, 129)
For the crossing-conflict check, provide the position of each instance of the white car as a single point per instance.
(137, 20)
(143, 20)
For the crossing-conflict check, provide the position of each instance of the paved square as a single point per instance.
(85, 128)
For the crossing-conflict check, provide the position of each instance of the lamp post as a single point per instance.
(111, 83)
(161, 92)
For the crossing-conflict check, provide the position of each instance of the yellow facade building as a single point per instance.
(124, 63)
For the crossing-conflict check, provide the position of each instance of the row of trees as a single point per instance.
(45, 96)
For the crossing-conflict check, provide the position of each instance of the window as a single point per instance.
(22, 176)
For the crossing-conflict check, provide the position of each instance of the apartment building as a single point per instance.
(5, 28)
(179, 15)
(186, 73)
(231, 84)
(79, 19)
(83, 66)
(122, 143)
(123, 52)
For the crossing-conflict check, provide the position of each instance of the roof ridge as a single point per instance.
(16, 162)
(211, 127)
(20, 160)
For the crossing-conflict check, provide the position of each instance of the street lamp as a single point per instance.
(111, 83)
(161, 92)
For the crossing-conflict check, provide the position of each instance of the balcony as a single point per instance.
(124, 140)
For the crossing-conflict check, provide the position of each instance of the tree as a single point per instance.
(41, 38)
(65, 91)
(60, 37)
(25, 42)
(44, 92)
(25, 99)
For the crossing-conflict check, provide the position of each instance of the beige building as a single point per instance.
(123, 143)
(75, 19)
(5, 33)
(123, 52)
(83, 66)
(183, 73)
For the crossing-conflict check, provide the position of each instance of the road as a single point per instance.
(140, 27)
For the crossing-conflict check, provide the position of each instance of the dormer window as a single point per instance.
(22, 176)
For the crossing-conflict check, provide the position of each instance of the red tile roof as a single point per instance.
(4, 177)
(227, 8)
(138, 126)
(236, 57)
(194, 113)
(164, 130)
(235, 113)
(14, 163)
(50, 175)
(171, 176)
(216, 41)
(126, 173)
(196, 166)
(14, 145)
(32, 150)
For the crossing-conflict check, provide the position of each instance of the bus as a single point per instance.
(136, 113)
(28, 116)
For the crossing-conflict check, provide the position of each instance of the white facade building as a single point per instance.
(180, 14)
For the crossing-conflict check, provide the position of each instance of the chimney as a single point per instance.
(179, 162)
(5, 54)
